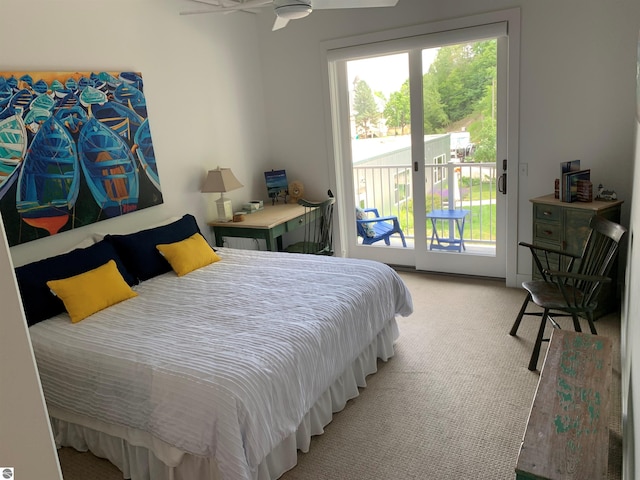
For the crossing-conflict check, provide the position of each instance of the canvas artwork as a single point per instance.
(75, 149)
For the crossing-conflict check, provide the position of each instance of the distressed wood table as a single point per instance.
(567, 434)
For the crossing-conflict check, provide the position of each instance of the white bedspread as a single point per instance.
(223, 362)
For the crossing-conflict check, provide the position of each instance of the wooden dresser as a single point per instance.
(565, 226)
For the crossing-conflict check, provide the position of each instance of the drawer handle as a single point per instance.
(300, 220)
(548, 232)
(546, 213)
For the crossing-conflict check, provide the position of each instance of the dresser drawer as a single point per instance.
(547, 213)
(295, 223)
(547, 233)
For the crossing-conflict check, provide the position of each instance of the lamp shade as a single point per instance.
(220, 180)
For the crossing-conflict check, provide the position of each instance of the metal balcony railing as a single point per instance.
(470, 186)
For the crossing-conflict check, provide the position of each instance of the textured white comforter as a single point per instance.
(225, 361)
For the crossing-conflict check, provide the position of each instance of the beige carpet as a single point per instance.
(452, 403)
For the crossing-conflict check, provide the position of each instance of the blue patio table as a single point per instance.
(450, 243)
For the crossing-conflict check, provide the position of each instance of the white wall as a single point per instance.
(630, 332)
(25, 432)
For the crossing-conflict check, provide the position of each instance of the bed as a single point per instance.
(222, 373)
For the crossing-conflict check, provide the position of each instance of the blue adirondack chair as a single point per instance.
(374, 228)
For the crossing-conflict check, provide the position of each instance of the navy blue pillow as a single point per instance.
(38, 301)
(138, 250)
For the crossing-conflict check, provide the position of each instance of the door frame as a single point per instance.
(332, 50)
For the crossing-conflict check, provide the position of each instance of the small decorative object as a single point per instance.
(222, 180)
(253, 206)
(585, 191)
(556, 191)
(238, 217)
(605, 194)
(296, 191)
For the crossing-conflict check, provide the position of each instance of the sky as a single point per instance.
(386, 73)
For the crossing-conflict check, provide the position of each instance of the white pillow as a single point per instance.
(99, 236)
(87, 242)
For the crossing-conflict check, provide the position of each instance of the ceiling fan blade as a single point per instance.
(330, 4)
(217, 8)
(279, 23)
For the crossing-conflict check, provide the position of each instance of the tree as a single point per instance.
(365, 107)
(484, 130)
(435, 117)
(485, 136)
(461, 74)
(397, 111)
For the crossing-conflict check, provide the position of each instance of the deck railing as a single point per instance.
(470, 186)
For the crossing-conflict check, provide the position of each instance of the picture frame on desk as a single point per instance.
(277, 185)
(570, 184)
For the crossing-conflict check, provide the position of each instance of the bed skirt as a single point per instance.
(142, 457)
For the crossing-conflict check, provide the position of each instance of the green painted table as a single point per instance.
(567, 434)
(268, 224)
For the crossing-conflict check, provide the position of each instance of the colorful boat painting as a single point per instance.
(22, 99)
(85, 82)
(68, 101)
(28, 79)
(73, 118)
(46, 188)
(122, 120)
(13, 83)
(43, 101)
(5, 96)
(91, 96)
(13, 146)
(8, 176)
(71, 84)
(109, 168)
(56, 85)
(40, 87)
(36, 117)
(133, 78)
(13, 140)
(144, 150)
(49, 181)
(128, 95)
(111, 80)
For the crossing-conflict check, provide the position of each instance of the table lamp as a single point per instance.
(222, 180)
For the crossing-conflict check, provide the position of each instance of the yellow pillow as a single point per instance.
(188, 254)
(92, 291)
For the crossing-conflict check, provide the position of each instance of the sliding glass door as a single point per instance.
(420, 136)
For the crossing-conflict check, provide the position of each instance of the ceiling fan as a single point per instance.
(285, 10)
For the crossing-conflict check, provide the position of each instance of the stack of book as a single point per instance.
(571, 174)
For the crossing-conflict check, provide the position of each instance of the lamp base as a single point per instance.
(225, 210)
